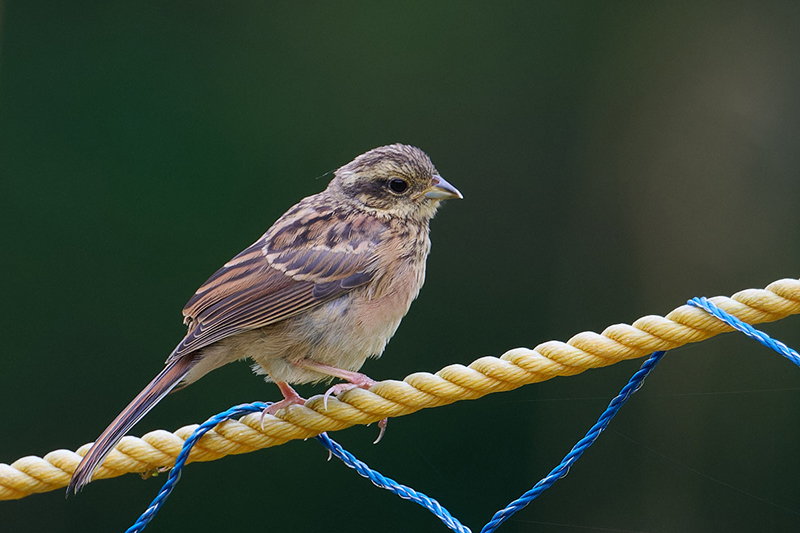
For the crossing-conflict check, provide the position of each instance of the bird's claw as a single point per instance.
(337, 390)
(358, 381)
(277, 406)
(382, 425)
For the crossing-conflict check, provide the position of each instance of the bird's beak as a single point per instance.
(442, 190)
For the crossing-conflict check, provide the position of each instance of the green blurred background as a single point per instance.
(617, 158)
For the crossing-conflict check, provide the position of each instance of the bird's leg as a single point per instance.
(354, 380)
(290, 397)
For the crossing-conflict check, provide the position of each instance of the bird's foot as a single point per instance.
(290, 397)
(357, 381)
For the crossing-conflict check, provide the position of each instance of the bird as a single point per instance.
(324, 289)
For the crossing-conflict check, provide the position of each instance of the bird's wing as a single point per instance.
(308, 257)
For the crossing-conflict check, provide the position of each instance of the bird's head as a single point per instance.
(395, 180)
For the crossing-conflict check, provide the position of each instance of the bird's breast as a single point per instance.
(345, 331)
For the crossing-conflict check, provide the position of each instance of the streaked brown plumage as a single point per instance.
(321, 291)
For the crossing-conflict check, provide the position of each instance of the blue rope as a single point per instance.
(633, 385)
(407, 493)
(574, 454)
(747, 329)
(175, 473)
(334, 447)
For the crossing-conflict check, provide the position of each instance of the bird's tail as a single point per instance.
(144, 401)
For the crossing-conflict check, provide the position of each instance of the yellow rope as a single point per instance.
(515, 368)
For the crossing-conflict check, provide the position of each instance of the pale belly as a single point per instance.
(341, 333)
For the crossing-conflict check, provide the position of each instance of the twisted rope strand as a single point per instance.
(515, 368)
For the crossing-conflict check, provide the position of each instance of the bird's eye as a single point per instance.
(398, 185)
